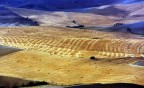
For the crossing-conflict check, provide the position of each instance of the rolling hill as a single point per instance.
(61, 56)
(9, 18)
(51, 42)
(62, 4)
(131, 15)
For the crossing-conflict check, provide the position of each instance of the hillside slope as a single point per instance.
(9, 18)
(61, 56)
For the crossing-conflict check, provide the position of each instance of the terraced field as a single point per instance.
(51, 52)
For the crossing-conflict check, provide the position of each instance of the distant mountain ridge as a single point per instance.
(62, 4)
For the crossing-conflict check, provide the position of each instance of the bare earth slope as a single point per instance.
(106, 15)
(45, 18)
(61, 56)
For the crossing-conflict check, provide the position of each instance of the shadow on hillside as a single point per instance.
(115, 85)
(11, 82)
(109, 11)
(55, 5)
(4, 50)
(9, 18)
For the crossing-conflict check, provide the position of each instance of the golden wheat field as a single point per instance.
(61, 56)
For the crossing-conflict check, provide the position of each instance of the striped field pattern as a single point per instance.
(78, 47)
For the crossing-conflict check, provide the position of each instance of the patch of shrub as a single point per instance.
(93, 58)
(117, 24)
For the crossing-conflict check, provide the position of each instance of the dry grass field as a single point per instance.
(61, 56)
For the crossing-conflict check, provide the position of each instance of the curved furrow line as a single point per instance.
(101, 48)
